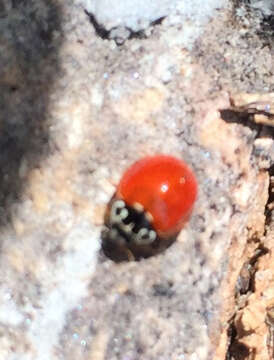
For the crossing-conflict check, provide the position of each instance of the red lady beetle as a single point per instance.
(152, 202)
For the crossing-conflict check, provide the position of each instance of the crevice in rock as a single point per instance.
(237, 350)
(245, 286)
(270, 203)
(121, 33)
(100, 30)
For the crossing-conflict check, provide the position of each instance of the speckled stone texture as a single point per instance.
(75, 111)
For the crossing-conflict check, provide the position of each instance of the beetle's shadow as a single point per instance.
(28, 67)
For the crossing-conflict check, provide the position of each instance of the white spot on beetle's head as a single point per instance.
(118, 211)
(124, 213)
(145, 236)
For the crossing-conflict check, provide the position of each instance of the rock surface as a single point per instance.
(136, 16)
(75, 111)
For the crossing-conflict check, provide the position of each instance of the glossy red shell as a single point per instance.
(165, 186)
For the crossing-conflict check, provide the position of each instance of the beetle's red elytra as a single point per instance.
(153, 200)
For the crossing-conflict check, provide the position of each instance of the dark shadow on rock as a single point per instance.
(113, 34)
(28, 67)
(242, 118)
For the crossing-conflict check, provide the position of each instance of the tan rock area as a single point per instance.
(75, 111)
